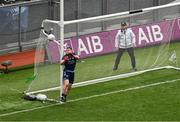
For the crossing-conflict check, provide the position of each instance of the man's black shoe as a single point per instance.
(63, 99)
(134, 69)
(114, 68)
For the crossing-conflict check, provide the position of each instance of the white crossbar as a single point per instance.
(122, 13)
(130, 13)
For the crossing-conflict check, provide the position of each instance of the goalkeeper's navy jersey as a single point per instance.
(69, 64)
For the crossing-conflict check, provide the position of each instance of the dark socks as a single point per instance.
(64, 95)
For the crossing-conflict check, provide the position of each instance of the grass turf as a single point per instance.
(153, 103)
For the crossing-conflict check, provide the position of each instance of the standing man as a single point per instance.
(125, 41)
(69, 61)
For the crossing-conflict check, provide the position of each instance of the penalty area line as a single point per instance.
(125, 90)
(93, 96)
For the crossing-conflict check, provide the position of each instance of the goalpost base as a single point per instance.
(105, 79)
(120, 76)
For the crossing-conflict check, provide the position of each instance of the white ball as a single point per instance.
(51, 37)
(42, 97)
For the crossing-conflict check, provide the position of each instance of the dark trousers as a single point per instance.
(131, 54)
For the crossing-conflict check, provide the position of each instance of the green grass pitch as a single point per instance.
(109, 101)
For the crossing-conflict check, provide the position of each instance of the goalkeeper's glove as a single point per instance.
(66, 58)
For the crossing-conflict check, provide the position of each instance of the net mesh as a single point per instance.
(47, 57)
(156, 44)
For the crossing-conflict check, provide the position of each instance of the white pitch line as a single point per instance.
(93, 96)
(125, 90)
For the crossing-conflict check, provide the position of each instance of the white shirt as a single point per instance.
(125, 39)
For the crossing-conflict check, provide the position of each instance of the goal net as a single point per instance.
(153, 45)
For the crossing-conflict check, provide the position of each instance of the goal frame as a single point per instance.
(62, 23)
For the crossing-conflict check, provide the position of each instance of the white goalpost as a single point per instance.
(62, 43)
(156, 55)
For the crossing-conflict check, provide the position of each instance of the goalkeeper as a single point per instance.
(125, 41)
(69, 61)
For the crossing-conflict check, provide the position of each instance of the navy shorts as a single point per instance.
(68, 75)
